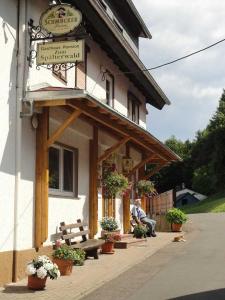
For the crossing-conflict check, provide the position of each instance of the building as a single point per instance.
(187, 196)
(59, 128)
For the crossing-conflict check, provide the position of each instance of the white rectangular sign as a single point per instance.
(52, 53)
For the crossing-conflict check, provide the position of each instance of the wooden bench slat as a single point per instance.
(75, 234)
(88, 245)
(71, 226)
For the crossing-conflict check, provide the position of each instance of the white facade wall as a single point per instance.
(8, 17)
(97, 63)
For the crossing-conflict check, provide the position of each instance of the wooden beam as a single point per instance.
(154, 171)
(94, 114)
(126, 212)
(109, 151)
(48, 103)
(71, 119)
(93, 192)
(141, 164)
(41, 181)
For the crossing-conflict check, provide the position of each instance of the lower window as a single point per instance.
(63, 169)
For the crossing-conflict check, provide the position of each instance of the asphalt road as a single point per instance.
(194, 269)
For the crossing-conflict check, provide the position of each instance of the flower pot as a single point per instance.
(104, 232)
(107, 248)
(36, 283)
(176, 227)
(65, 266)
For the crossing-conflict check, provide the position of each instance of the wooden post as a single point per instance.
(41, 187)
(110, 207)
(93, 190)
(143, 202)
(126, 213)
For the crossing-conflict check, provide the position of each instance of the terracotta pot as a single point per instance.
(103, 232)
(107, 248)
(35, 283)
(176, 227)
(65, 266)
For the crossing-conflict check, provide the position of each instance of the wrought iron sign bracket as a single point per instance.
(38, 34)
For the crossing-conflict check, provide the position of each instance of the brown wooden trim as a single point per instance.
(41, 187)
(126, 213)
(141, 164)
(71, 119)
(48, 103)
(93, 191)
(154, 171)
(94, 114)
(109, 151)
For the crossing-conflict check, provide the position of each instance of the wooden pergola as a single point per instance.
(79, 104)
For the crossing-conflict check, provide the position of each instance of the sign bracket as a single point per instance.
(38, 34)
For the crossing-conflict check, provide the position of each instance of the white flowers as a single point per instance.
(41, 272)
(30, 269)
(43, 267)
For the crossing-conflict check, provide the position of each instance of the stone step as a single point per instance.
(128, 240)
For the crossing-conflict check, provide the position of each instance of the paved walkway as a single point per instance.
(194, 270)
(92, 275)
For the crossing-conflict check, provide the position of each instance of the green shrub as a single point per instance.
(79, 257)
(140, 231)
(176, 216)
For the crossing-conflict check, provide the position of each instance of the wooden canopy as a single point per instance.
(82, 105)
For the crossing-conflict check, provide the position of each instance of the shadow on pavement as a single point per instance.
(208, 295)
(12, 289)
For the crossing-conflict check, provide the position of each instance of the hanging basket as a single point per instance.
(35, 283)
(65, 266)
(108, 248)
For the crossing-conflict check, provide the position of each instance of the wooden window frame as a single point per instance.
(108, 73)
(60, 192)
(132, 104)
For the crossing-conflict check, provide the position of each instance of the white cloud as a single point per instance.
(193, 85)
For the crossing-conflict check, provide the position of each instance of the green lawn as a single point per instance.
(215, 203)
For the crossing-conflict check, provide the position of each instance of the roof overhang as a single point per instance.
(106, 116)
(103, 30)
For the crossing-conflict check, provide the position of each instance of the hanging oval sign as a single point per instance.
(60, 19)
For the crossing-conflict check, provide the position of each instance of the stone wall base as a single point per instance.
(13, 263)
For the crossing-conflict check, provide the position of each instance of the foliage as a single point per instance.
(111, 237)
(79, 257)
(145, 187)
(203, 165)
(65, 252)
(140, 231)
(215, 203)
(109, 224)
(114, 184)
(42, 267)
(176, 216)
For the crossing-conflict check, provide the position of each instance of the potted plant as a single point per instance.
(110, 239)
(176, 218)
(114, 183)
(38, 270)
(140, 231)
(109, 224)
(64, 257)
(79, 257)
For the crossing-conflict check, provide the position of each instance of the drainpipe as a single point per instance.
(21, 44)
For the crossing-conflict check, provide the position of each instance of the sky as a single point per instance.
(194, 85)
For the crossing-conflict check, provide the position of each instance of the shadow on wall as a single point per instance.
(215, 294)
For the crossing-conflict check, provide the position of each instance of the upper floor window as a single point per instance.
(63, 168)
(109, 89)
(133, 108)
